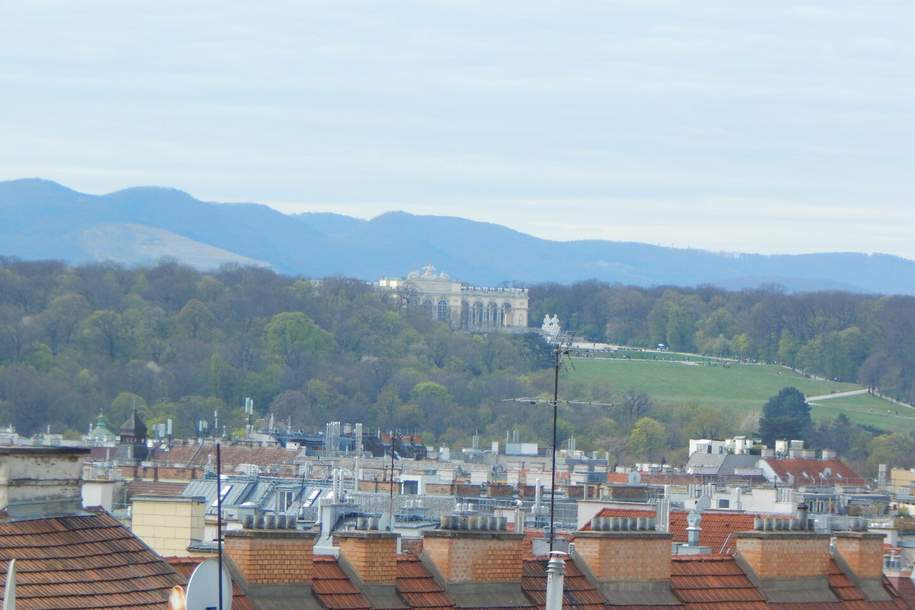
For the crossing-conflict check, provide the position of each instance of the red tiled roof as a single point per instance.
(333, 588)
(185, 566)
(232, 455)
(903, 587)
(89, 561)
(417, 587)
(647, 478)
(842, 586)
(577, 591)
(814, 472)
(714, 581)
(154, 488)
(718, 527)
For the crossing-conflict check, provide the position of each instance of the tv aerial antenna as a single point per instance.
(562, 348)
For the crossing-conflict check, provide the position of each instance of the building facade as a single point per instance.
(462, 305)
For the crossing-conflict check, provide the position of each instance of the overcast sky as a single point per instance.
(741, 126)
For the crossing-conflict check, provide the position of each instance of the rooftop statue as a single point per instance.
(551, 327)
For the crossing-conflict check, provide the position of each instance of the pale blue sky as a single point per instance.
(763, 126)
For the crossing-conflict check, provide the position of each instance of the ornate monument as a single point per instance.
(550, 328)
(462, 305)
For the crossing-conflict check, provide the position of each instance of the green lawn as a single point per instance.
(868, 410)
(743, 387)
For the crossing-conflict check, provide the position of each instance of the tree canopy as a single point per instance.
(785, 416)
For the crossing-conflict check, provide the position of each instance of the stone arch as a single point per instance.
(492, 315)
(442, 312)
(476, 318)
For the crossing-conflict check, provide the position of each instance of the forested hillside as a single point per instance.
(838, 335)
(179, 343)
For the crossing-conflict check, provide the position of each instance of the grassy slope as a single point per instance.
(741, 387)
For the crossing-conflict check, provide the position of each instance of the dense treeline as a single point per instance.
(850, 337)
(179, 343)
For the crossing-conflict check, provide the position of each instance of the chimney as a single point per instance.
(372, 555)
(38, 482)
(474, 549)
(862, 552)
(625, 553)
(271, 556)
(784, 549)
(168, 524)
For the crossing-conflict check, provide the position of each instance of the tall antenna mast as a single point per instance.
(561, 348)
(219, 517)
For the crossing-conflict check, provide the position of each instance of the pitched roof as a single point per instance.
(231, 456)
(417, 587)
(718, 527)
(139, 487)
(86, 561)
(134, 426)
(185, 566)
(814, 472)
(577, 591)
(714, 581)
(332, 587)
(903, 587)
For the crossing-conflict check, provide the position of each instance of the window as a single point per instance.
(722, 503)
(222, 495)
(284, 500)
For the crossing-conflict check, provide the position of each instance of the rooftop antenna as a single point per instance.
(562, 348)
(249, 411)
(219, 518)
(9, 591)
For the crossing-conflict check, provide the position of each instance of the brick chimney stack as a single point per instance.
(271, 556)
(784, 554)
(862, 552)
(617, 555)
(371, 554)
(475, 555)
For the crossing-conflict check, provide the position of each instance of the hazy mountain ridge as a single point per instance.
(42, 219)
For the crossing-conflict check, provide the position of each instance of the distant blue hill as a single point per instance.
(40, 219)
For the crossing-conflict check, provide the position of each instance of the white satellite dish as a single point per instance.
(202, 588)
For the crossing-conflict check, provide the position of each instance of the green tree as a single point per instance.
(195, 318)
(105, 330)
(295, 339)
(785, 416)
(787, 348)
(648, 439)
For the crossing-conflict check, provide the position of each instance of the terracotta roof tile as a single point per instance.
(903, 587)
(87, 561)
(154, 488)
(718, 527)
(814, 472)
(417, 587)
(185, 566)
(333, 588)
(713, 581)
(578, 593)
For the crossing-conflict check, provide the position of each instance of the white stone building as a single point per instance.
(462, 305)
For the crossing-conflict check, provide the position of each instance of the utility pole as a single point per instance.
(219, 518)
(558, 353)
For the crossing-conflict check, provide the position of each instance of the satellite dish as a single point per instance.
(202, 588)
